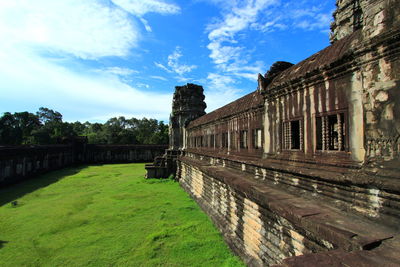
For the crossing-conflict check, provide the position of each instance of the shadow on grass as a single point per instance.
(15, 191)
(2, 242)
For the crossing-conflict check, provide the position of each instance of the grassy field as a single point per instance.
(106, 216)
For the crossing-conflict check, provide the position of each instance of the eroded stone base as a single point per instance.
(265, 225)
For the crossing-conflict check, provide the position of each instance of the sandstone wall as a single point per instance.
(221, 131)
(19, 163)
(375, 197)
(123, 153)
(371, 16)
(265, 222)
(258, 234)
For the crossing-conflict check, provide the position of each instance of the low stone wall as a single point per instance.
(22, 162)
(257, 234)
(373, 196)
(123, 153)
(265, 223)
(19, 163)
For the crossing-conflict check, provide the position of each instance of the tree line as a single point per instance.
(47, 127)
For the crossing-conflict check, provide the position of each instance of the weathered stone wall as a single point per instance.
(379, 81)
(353, 77)
(375, 197)
(19, 163)
(123, 153)
(263, 221)
(243, 115)
(258, 234)
(370, 16)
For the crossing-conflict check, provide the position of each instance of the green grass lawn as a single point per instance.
(106, 216)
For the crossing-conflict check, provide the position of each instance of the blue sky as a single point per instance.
(96, 59)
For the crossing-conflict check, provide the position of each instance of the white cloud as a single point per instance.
(146, 25)
(90, 93)
(161, 66)
(118, 71)
(84, 29)
(317, 22)
(175, 66)
(240, 17)
(231, 55)
(270, 25)
(218, 81)
(159, 78)
(226, 52)
(141, 7)
(173, 63)
(143, 85)
(37, 39)
(220, 90)
(221, 54)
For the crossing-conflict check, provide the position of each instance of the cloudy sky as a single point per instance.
(96, 59)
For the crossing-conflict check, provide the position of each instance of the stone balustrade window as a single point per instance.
(212, 140)
(292, 135)
(331, 132)
(257, 138)
(224, 140)
(243, 139)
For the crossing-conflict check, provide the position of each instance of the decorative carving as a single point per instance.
(386, 149)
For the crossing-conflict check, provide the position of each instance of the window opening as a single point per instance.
(257, 138)
(212, 140)
(224, 142)
(243, 139)
(292, 135)
(331, 132)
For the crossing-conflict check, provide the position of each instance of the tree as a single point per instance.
(79, 128)
(48, 115)
(47, 127)
(8, 132)
(17, 128)
(26, 123)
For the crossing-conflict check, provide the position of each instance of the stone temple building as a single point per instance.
(305, 170)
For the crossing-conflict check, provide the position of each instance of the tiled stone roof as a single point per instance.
(247, 102)
(324, 58)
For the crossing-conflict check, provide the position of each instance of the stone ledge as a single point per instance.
(345, 230)
(329, 173)
(382, 256)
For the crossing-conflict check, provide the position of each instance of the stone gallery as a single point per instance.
(304, 171)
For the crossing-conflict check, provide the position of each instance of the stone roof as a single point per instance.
(324, 58)
(247, 102)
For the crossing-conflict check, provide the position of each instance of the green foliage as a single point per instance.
(17, 128)
(106, 216)
(47, 127)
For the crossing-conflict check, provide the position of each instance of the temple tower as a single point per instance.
(187, 104)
